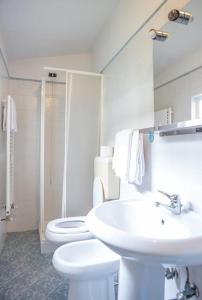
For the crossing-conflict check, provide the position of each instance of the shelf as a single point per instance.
(180, 128)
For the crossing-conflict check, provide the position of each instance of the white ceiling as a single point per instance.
(32, 28)
(183, 39)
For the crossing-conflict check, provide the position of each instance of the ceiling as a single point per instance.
(34, 28)
(182, 42)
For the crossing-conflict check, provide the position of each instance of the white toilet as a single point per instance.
(87, 263)
(66, 230)
(90, 268)
(105, 187)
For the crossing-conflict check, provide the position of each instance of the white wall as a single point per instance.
(26, 94)
(176, 167)
(173, 164)
(128, 100)
(177, 94)
(127, 80)
(184, 65)
(33, 68)
(127, 17)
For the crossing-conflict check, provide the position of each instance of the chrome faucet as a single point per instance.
(175, 205)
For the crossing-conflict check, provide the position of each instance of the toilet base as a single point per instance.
(94, 289)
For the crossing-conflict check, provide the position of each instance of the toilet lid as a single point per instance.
(68, 225)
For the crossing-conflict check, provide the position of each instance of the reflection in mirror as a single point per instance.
(178, 70)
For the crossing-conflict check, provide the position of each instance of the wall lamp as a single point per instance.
(179, 16)
(158, 35)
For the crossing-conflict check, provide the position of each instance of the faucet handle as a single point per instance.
(173, 198)
(165, 194)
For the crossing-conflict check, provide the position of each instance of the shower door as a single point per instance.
(69, 127)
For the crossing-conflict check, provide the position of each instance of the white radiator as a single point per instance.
(163, 117)
(9, 157)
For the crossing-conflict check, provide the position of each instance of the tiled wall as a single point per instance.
(26, 176)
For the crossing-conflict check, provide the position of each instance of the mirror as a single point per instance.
(178, 70)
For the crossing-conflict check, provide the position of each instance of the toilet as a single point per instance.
(66, 230)
(105, 187)
(89, 265)
(72, 229)
(90, 268)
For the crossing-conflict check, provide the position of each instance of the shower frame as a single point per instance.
(68, 95)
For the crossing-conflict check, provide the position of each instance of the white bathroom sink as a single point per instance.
(137, 229)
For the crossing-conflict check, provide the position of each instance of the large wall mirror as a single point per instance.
(178, 70)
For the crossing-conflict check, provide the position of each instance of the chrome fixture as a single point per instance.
(158, 35)
(52, 75)
(171, 273)
(179, 16)
(190, 289)
(7, 218)
(175, 203)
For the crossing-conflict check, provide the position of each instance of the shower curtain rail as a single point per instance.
(74, 71)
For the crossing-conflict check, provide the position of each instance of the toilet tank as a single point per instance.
(103, 170)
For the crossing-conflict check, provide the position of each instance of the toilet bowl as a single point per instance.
(90, 267)
(66, 230)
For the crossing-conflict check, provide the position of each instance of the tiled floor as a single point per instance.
(25, 274)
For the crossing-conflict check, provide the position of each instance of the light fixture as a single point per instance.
(179, 16)
(50, 94)
(158, 35)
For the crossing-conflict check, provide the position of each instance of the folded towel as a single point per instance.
(137, 163)
(128, 161)
(122, 151)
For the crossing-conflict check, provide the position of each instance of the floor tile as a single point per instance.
(26, 274)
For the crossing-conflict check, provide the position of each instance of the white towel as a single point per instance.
(128, 161)
(137, 163)
(13, 116)
(121, 156)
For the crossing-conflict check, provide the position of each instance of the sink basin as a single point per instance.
(137, 229)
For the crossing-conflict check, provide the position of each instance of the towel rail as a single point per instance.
(9, 159)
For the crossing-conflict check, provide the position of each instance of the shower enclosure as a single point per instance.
(70, 124)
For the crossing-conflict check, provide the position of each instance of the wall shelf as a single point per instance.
(180, 128)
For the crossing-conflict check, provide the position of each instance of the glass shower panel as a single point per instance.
(83, 143)
(55, 90)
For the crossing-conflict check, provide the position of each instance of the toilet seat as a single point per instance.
(85, 260)
(68, 225)
(65, 230)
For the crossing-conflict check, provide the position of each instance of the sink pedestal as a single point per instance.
(139, 281)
